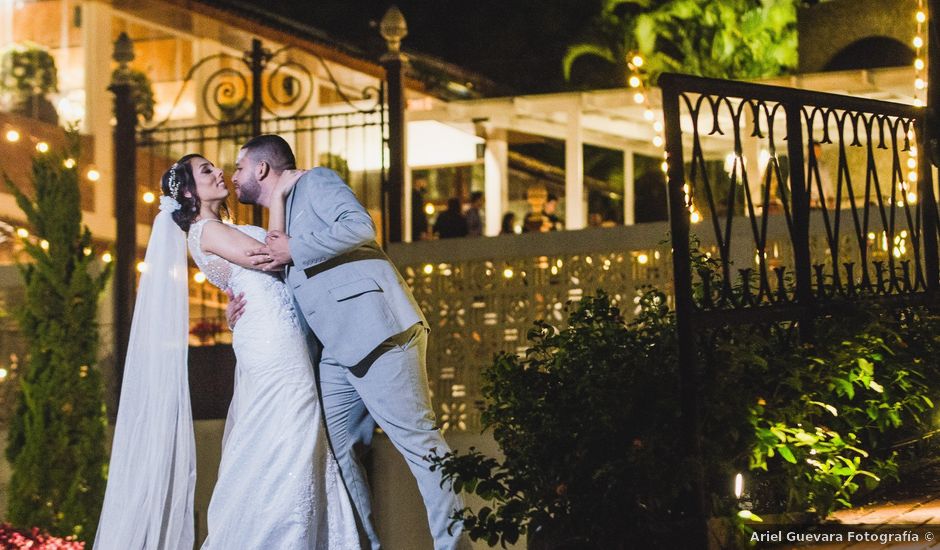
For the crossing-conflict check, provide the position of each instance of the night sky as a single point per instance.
(518, 43)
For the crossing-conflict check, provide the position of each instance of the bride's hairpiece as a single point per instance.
(174, 183)
(169, 202)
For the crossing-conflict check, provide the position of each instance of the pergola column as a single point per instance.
(496, 179)
(629, 178)
(575, 217)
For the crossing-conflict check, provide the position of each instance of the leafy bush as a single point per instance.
(588, 421)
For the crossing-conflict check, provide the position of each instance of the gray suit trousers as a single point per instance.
(388, 387)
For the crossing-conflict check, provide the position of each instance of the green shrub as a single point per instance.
(588, 421)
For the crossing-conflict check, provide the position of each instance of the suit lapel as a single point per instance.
(287, 219)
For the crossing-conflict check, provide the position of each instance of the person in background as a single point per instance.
(508, 226)
(451, 222)
(419, 219)
(554, 223)
(475, 215)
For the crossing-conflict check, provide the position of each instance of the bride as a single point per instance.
(278, 484)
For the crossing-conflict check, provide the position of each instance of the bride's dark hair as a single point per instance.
(185, 192)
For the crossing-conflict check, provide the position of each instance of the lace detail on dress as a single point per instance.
(274, 283)
(217, 270)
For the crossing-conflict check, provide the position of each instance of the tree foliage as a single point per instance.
(734, 39)
(57, 437)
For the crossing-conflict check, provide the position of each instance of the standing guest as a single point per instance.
(451, 222)
(509, 224)
(548, 210)
(419, 219)
(475, 215)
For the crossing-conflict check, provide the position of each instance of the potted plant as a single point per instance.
(141, 93)
(27, 75)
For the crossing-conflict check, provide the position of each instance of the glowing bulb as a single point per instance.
(642, 259)
(921, 16)
(871, 236)
(912, 197)
(42, 147)
(658, 141)
(69, 163)
(648, 115)
(918, 42)
(106, 257)
(738, 485)
(428, 269)
(508, 273)
(637, 61)
(13, 136)
(199, 277)
(919, 64)
(429, 209)
(3, 374)
(22, 233)
(920, 84)
(93, 175)
(142, 267)
(912, 163)
(44, 244)
(634, 82)
(664, 166)
(695, 217)
(639, 97)
(149, 197)
(918, 102)
(87, 251)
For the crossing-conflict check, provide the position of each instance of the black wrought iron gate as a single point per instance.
(235, 98)
(849, 169)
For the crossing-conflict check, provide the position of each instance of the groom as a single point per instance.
(373, 335)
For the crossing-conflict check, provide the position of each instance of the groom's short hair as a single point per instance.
(272, 149)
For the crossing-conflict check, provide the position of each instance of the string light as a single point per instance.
(93, 174)
(199, 277)
(920, 84)
(149, 197)
(106, 257)
(636, 80)
(13, 136)
(42, 147)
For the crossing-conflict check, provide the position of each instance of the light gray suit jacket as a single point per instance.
(347, 289)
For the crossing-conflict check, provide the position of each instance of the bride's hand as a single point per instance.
(287, 181)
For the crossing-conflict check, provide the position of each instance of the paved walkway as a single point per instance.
(910, 524)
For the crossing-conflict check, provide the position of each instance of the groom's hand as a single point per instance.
(235, 307)
(274, 255)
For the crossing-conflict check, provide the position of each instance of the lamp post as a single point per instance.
(125, 200)
(393, 29)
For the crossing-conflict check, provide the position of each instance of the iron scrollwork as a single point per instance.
(287, 86)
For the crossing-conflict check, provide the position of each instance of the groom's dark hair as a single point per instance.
(271, 149)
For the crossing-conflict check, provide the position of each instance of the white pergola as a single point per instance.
(611, 119)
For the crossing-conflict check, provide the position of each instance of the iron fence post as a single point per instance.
(929, 148)
(800, 203)
(125, 202)
(685, 316)
(393, 29)
(258, 58)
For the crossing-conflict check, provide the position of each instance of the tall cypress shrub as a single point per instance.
(57, 435)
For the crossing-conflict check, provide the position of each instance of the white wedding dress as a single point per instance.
(279, 485)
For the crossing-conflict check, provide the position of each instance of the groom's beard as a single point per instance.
(248, 191)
